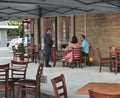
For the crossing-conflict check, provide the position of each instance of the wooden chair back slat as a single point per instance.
(104, 60)
(31, 84)
(4, 80)
(117, 59)
(77, 56)
(59, 86)
(19, 73)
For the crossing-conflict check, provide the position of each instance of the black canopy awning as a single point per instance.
(12, 9)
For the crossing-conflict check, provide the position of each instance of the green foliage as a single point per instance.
(20, 48)
(15, 32)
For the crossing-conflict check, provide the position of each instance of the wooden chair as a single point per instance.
(32, 53)
(104, 60)
(112, 52)
(17, 74)
(85, 59)
(31, 84)
(94, 94)
(55, 57)
(59, 86)
(112, 55)
(117, 60)
(4, 80)
(77, 57)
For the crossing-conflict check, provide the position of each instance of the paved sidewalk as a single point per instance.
(75, 78)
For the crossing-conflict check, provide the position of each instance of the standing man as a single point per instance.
(85, 45)
(48, 42)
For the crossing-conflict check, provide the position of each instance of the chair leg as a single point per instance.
(85, 61)
(111, 67)
(100, 67)
(114, 65)
(35, 59)
(80, 65)
(23, 90)
(7, 92)
(13, 89)
(90, 64)
(18, 92)
(72, 65)
(37, 93)
(63, 62)
(28, 59)
(54, 63)
(116, 69)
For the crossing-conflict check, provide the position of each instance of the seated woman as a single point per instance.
(74, 44)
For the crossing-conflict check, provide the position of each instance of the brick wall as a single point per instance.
(35, 31)
(102, 30)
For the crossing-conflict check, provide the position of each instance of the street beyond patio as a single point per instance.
(75, 78)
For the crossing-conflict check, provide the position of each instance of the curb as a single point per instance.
(4, 48)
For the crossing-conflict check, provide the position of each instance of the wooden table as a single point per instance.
(109, 88)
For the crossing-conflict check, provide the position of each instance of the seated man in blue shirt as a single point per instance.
(85, 45)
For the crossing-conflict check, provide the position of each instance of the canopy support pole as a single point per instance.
(39, 35)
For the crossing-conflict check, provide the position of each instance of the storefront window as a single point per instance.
(61, 30)
(64, 32)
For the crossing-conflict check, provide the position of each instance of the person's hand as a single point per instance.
(63, 49)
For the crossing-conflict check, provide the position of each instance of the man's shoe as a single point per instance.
(48, 66)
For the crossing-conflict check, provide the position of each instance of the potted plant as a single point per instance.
(20, 51)
(20, 48)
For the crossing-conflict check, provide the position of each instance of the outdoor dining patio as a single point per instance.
(75, 78)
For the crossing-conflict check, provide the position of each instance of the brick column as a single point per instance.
(67, 25)
(60, 31)
(43, 31)
(35, 31)
(43, 24)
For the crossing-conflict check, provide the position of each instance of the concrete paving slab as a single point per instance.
(75, 78)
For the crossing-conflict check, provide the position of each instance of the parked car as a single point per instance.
(16, 41)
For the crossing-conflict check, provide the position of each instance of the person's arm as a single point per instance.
(83, 44)
(67, 48)
(48, 41)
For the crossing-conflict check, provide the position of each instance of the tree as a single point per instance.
(15, 32)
